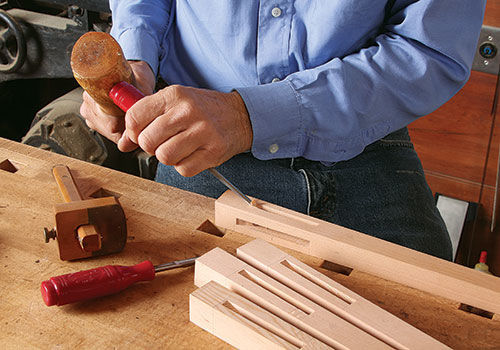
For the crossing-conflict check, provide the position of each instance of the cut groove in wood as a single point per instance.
(267, 326)
(102, 193)
(272, 234)
(331, 266)
(476, 311)
(276, 291)
(208, 227)
(7, 165)
(276, 210)
(317, 281)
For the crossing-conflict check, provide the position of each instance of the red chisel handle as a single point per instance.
(83, 285)
(124, 95)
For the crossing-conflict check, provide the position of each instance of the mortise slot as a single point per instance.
(273, 233)
(208, 227)
(280, 294)
(342, 296)
(103, 193)
(331, 266)
(270, 209)
(261, 323)
(7, 165)
(476, 311)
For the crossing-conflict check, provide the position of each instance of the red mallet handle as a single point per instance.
(94, 283)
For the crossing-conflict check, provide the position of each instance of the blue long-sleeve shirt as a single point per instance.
(320, 78)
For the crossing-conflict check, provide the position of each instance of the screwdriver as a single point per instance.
(124, 95)
(101, 281)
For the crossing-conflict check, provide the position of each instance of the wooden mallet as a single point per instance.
(98, 64)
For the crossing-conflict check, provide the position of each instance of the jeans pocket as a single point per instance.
(397, 139)
(395, 143)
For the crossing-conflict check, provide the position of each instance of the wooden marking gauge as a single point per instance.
(359, 251)
(86, 227)
(265, 298)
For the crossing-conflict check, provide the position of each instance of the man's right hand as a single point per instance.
(113, 127)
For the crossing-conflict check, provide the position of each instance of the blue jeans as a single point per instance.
(381, 192)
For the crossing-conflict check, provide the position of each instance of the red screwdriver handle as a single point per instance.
(83, 285)
(124, 95)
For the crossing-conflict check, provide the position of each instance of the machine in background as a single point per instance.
(39, 96)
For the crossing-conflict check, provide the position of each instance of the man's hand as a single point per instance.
(191, 129)
(112, 127)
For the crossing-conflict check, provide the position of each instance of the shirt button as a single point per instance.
(275, 80)
(273, 148)
(276, 12)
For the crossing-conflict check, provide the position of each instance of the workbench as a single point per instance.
(164, 224)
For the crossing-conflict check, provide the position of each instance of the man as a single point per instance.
(300, 103)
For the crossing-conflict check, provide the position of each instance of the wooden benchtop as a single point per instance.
(163, 226)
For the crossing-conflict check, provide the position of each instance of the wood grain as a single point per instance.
(454, 139)
(162, 226)
(492, 15)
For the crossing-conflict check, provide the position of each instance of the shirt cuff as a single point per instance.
(139, 45)
(277, 124)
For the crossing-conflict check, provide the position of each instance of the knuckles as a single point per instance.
(186, 108)
(175, 91)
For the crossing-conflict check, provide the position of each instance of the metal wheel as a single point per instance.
(12, 44)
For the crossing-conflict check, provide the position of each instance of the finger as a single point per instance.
(177, 148)
(86, 96)
(89, 124)
(159, 131)
(144, 111)
(84, 111)
(85, 107)
(109, 126)
(144, 77)
(195, 163)
(125, 144)
(111, 129)
(92, 107)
